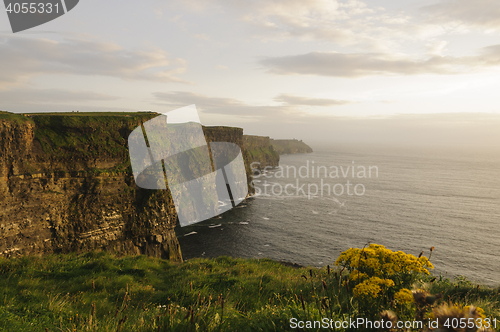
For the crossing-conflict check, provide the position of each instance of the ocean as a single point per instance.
(408, 199)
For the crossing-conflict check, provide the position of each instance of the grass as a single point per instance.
(100, 292)
(88, 135)
(93, 114)
(14, 117)
(263, 154)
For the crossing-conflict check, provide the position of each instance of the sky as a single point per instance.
(378, 71)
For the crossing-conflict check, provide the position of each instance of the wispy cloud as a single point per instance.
(307, 101)
(36, 96)
(23, 58)
(371, 64)
(343, 22)
(202, 36)
(226, 106)
(477, 13)
(28, 100)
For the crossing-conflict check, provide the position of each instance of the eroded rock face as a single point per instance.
(66, 186)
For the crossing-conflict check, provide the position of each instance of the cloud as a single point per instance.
(316, 19)
(225, 106)
(306, 101)
(23, 58)
(436, 47)
(353, 65)
(36, 96)
(344, 22)
(460, 129)
(158, 13)
(477, 13)
(28, 100)
(202, 36)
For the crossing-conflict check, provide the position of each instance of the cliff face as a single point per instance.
(234, 135)
(66, 185)
(260, 152)
(290, 146)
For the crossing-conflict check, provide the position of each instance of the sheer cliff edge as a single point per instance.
(66, 185)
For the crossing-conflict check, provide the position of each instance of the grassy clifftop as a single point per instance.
(86, 133)
(260, 152)
(99, 292)
(19, 118)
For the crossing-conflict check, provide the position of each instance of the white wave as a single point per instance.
(190, 233)
(338, 202)
(213, 226)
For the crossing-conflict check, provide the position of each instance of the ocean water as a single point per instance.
(415, 199)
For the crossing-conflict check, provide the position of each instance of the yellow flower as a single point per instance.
(371, 287)
(376, 260)
(404, 296)
(356, 275)
(473, 311)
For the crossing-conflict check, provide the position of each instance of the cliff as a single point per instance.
(290, 146)
(66, 185)
(260, 152)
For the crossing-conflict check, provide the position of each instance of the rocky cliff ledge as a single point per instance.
(290, 146)
(260, 152)
(66, 185)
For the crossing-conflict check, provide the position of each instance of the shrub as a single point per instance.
(381, 278)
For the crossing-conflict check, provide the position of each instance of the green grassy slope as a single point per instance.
(99, 292)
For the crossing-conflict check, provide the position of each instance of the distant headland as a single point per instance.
(290, 146)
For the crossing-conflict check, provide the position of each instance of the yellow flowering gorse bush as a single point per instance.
(376, 260)
(371, 287)
(381, 275)
(404, 296)
(378, 282)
